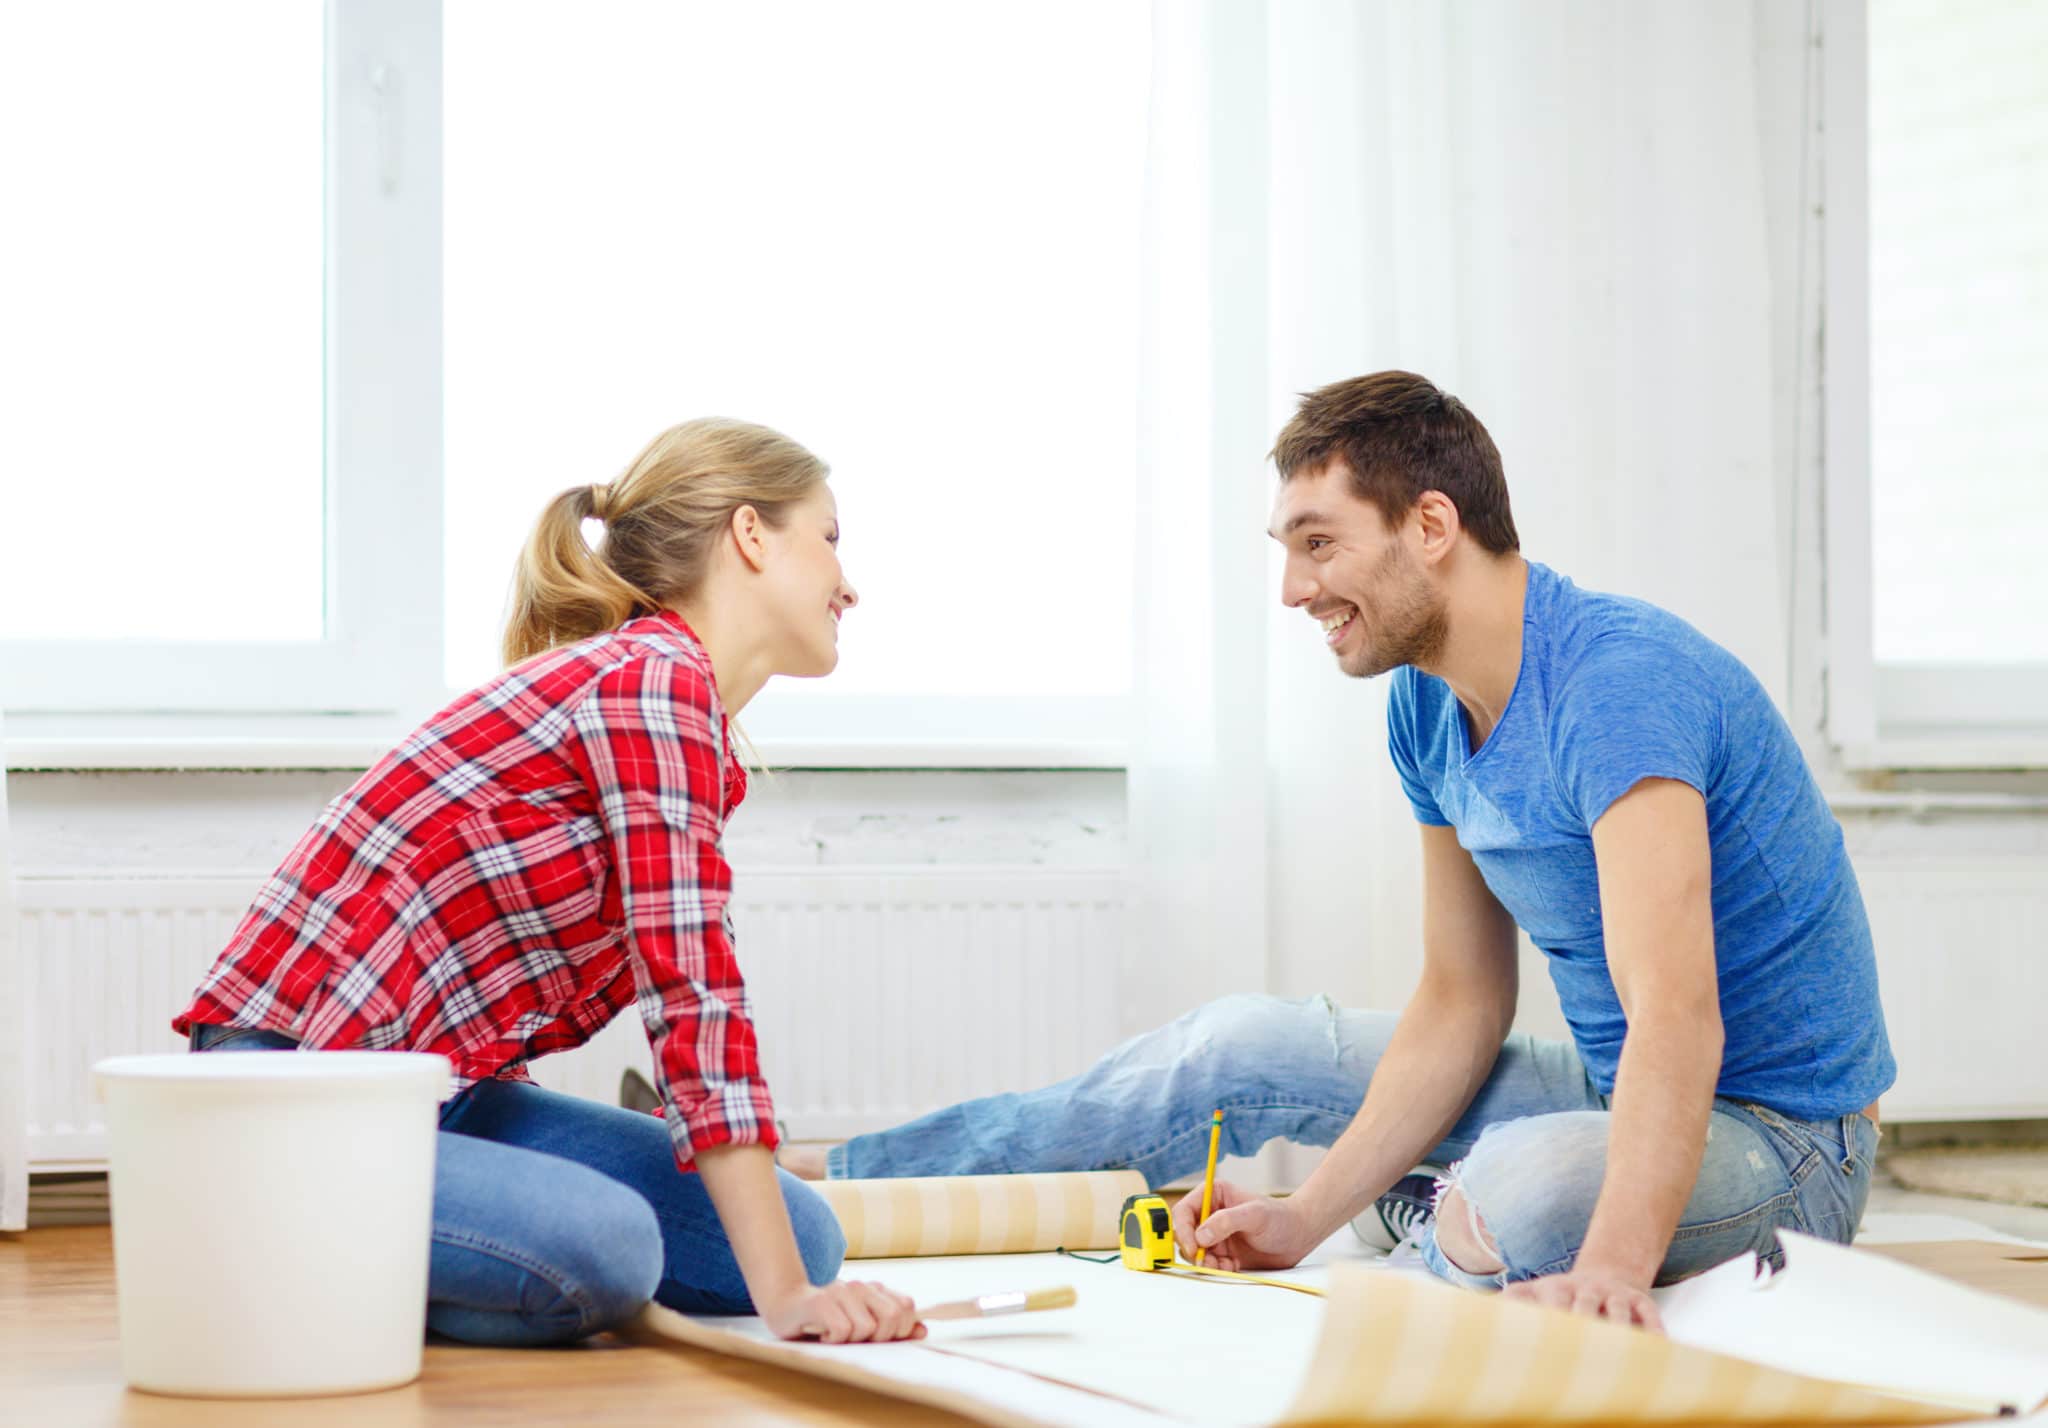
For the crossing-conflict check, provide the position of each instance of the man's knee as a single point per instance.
(1462, 1235)
(1234, 1011)
(1522, 1199)
(1252, 1023)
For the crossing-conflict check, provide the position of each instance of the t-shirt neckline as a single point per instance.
(1468, 755)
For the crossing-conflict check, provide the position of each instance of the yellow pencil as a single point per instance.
(1209, 1180)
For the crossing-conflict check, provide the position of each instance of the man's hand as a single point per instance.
(843, 1312)
(1589, 1289)
(1244, 1231)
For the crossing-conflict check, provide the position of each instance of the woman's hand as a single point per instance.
(744, 1189)
(1244, 1230)
(843, 1312)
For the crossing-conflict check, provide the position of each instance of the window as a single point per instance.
(1952, 280)
(905, 234)
(165, 313)
(223, 410)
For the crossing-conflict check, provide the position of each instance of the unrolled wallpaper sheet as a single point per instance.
(1394, 1346)
(980, 1214)
(1397, 1350)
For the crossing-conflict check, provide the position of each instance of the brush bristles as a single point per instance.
(1060, 1298)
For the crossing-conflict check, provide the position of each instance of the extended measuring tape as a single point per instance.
(1145, 1243)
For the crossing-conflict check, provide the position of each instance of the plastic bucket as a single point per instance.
(273, 1214)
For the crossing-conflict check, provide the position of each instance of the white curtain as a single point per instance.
(13, 1041)
(1556, 211)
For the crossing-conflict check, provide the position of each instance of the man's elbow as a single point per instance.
(1691, 1021)
(1463, 1007)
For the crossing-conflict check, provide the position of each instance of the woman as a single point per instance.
(545, 853)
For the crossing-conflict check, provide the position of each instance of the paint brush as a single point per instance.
(991, 1305)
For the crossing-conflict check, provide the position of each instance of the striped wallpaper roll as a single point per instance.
(1403, 1349)
(980, 1214)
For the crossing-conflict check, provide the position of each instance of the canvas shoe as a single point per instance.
(1399, 1215)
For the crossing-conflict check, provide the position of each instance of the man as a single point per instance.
(1591, 769)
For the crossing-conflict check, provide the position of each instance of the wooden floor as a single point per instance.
(60, 1366)
(60, 1358)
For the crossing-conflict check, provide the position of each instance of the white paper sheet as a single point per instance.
(1860, 1318)
(1156, 1350)
(1173, 1347)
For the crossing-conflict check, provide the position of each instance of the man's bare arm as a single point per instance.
(1657, 915)
(1440, 1054)
(1447, 1041)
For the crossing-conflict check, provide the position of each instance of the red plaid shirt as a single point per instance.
(537, 857)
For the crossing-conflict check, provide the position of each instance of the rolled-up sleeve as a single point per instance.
(653, 737)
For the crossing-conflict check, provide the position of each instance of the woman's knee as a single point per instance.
(617, 1259)
(819, 1239)
(552, 1280)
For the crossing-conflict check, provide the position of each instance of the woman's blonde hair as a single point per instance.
(662, 519)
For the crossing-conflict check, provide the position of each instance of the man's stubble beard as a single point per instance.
(1408, 626)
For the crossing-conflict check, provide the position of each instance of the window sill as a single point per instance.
(50, 742)
(47, 743)
(1921, 750)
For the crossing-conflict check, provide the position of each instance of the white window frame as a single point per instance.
(1886, 716)
(381, 645)
(342, 701)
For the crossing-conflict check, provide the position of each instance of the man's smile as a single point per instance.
(1337, 623)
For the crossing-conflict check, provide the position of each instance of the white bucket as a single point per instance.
(273, 1214)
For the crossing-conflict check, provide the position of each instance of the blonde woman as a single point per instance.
(544, 854)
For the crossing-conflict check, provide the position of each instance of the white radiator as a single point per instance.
(883, 993)
(1964, 975)
(880, 993)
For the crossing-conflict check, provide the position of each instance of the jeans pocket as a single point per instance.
(1833, 1203)
(1799, 1145)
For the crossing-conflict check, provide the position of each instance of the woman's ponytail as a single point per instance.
(663, 518)
(563, 591)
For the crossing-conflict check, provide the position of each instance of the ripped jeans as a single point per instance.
(1529, 1153)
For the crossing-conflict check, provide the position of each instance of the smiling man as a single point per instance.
(1588, 768)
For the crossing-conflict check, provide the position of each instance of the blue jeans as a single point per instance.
(1529, 1153)
(557, 1217)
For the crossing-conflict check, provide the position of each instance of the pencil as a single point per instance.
(1209, 1180)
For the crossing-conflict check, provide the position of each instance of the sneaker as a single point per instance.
(1399, 1215)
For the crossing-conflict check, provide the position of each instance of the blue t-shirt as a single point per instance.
(1613, 691)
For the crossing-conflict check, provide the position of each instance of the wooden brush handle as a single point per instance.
(990, 1305)
(962, 1309)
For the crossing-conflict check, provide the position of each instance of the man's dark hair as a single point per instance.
(1401, 436)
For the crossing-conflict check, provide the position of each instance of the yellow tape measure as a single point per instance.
(1145, 1243)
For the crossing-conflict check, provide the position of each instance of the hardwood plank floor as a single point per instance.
(60, 1366)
